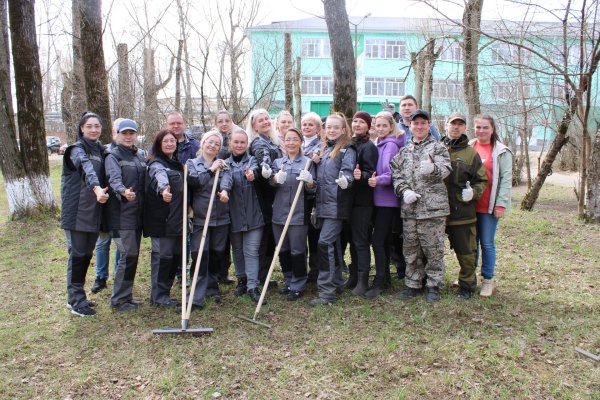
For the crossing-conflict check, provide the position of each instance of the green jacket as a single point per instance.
(466, 166)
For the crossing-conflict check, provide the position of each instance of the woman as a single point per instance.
(311, 131)
(264, 147)
(126, 175)
(334, 202)
(162, 215)
(386, 202)
(201, 177)
(224, 125)
(83, 193)
(245, 212)
(289, 170)
(283, 122)
(495, 201)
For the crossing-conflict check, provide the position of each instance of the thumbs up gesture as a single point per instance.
(249, 174)
(342, 181)
(167, 195)
(357, 172)
(101, 194)
(129, 194)
(373, 180)
(467, 193)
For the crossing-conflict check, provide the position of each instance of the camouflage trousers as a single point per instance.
(424, 237)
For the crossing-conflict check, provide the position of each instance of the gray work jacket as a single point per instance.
(200, 182)
(284, 193)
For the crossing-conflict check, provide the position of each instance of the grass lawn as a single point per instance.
(518, 344)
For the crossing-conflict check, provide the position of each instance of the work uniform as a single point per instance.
(333, 206)
(81, 214)
(424, 220)
(460, 224)
(200, 181)
(265, 151)
(125, 169)
(312, 146)
(247, 220)
(292, 254)
(163, 222)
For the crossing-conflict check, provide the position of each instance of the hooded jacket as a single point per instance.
(387, 148)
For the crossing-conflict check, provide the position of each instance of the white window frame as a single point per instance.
(316, 48)
(508, 91)
(447, 89)
(452, 53)
(385, 49)
(315, 85)
(391, 87)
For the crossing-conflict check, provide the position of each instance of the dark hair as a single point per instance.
(156, 150)
(409, 97)
(494, 138)
(84, 117)
(296, 131)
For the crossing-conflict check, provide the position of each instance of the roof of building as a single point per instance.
(414, 25)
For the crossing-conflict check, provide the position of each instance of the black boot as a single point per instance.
(353, 278)
(285, 262)
(99, 284)
(362, 284)
(376, 288)
(433, 295)
(255, 295)
(241, 287)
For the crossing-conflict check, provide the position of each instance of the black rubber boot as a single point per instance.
(353, 277)
(376, 288)
(241, 287)
(362, 284)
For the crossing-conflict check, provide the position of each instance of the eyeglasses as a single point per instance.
(213, 144)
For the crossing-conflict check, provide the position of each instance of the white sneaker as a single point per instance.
(487, 288)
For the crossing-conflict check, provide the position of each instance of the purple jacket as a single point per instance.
(384, 195)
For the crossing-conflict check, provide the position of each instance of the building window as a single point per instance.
(558, 92)
(447, 89)
(381, 48)
(508, 91)
(506, 54)
(452, 53)
(315, 48)
(392, 87)
(317, 85)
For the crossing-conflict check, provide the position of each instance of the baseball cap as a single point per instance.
(419, 113)
(457, 115)
(128, 125)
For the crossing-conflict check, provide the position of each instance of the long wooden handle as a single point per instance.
(184, 249)
(278, 248)
(202, 240)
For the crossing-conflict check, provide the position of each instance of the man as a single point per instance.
(187, 146)
(103, 242)
(465, 186)
(408, 105)
(418, 173)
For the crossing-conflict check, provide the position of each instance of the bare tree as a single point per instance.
(78, 103)
(298, 91)
(26, 172)
(96, 80)
(471, 33)
(593, 193)
(124, 96)
(342, 55)
(288, 80)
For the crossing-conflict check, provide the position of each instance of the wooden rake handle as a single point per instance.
(184, 248)
(278, 248)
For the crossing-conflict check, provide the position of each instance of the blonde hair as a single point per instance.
(343, 140)
(212, 132)
(390, 119)
(238, 130)
(281, 114)
(314, 117)
(252, 134)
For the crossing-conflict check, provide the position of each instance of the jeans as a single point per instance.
(103, 255)
(486, 233)
(245, 247)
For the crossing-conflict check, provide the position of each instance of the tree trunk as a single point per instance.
(429, 63)
(593, 191)
(287, 72)
(125, 98)
(26, 178)
(559, 141)
(418, 70)
(151, 111)
(298, 91)
(342, 55)
(178, 77)
(96, 80)
(66, 108)
(78, 99)
(471, 28)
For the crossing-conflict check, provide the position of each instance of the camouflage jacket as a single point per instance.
(406, 176)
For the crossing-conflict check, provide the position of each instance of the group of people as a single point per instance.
(328, 184)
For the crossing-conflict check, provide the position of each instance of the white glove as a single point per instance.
(342, 181)
(305, 176)
(467, 194)
(280, 177)
(427, 167)
(266, 171)
(410, 197)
